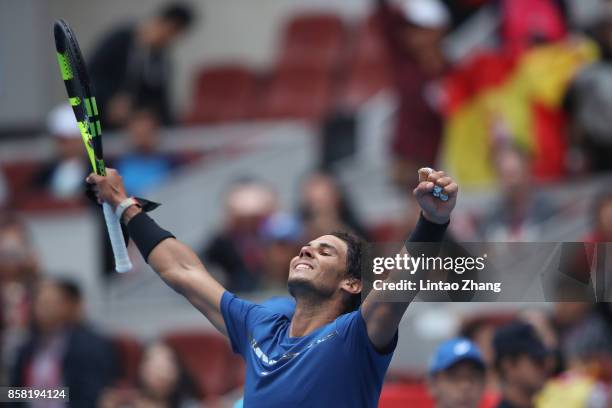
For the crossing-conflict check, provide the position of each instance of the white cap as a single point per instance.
(426, 13)
(62, 123)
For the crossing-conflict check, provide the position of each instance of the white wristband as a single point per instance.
(124, 205)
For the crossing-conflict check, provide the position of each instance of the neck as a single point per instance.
(516, 396)
(310, 314)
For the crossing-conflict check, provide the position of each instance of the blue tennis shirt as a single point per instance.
(334, 366)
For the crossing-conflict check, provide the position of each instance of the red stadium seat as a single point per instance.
(416, 395)
(313, 41)
(209, 360)
(129, 353)
(301, 93)
(24, 196)
(223, 93)
(405, 395)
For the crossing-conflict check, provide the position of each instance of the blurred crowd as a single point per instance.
(558, 356)
(531, 106)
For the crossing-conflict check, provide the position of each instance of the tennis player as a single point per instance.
(334, 351)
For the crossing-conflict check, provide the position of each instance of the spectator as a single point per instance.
(520, 212)
(480, 330)
(18, 274)
(163, 383)
(18, 261)
(62, 350)
(4, 191)
(130, 65)
(602, 229)
(457, 375)
(324, 207)
(521, 364)
(282, 236)
(414, 42)
(589, 104)
(145, 167)
(64, 176)
(588, 349)
(238, 248)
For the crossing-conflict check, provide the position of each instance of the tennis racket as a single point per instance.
(81, 98)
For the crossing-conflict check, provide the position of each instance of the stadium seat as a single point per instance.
(222, 93)
(405, 395)
(25, 196)
(209, 360)
(298, 92)
(129, 353)
(399, 395)
(313, 41)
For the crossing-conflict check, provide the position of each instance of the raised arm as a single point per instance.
(174, 262)
(382, 317)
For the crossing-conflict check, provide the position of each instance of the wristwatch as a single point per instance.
(124, 205)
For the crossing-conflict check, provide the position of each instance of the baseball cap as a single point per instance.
(518, 338)
(455, 351)
(426, 13)
(62, 123)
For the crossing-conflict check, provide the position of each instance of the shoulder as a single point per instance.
(348, 321)
(117, 40)
(85, 336)
(232, 305)
(122, 32)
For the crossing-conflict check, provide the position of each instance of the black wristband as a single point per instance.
(427, 231)
(146, 234)
(424, 234)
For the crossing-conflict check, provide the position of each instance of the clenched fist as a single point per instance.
(434, 209)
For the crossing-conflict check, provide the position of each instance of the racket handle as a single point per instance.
(122, 260)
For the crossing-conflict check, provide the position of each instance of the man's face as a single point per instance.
(604, 220)
(143, 132)
(418, 39)
(165, 33)
(321, 266)
(526, 372)
(460, 386)
(15, 257)
(69, 147)
(51, 308)
(513, 172)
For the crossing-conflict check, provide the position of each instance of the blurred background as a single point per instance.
(259, 125)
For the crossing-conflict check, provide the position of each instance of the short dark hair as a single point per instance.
(354, 255)
(177, 13)
(514, 340)
(69, 288)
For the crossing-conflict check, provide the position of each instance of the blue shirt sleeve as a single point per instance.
(353, 328)
(240, 317)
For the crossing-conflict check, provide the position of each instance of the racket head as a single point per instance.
(80, 92)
